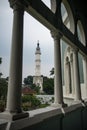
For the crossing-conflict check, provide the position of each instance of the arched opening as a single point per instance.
(47, 3)
(80, 33)
(68, 71)
(30, 41)
(51, 4)
(82, 61)
(67, 16)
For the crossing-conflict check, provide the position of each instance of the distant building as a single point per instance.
(27, 91)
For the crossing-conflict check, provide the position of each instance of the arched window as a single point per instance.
(80, 33)
(51, 4)
(67, 16)
(47, 3)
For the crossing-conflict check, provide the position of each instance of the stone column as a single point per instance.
(67, 75)
(13, 107)
(72, 75)
(85, 74)
(76, 75)
(58, 91)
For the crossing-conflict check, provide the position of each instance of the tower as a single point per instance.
(38, 79)
(37, 61)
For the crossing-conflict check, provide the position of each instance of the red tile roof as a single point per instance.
(28, 90)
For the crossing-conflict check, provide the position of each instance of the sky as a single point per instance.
(33, 31)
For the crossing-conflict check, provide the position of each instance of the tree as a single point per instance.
(35, 88)
(7, 79)
(3, 88)
(48, 85)
(30, 102)
(0, 63)
(52, 71)
(1, 74)
(0, 60)
(28, 80)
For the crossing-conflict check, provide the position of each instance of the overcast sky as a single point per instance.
(33, 31)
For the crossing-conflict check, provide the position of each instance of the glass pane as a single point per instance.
(65, 17)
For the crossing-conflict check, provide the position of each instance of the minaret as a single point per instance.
(38, 61)
(38, 79)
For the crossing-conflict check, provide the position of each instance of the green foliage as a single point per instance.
(0, 60)
(3, 88)
(44, 105)
(1, 74)
(35, 88)
(7, 79)
(30, 102)
(48, 85)
(52, 71)
(26, 106)
(0, 63)
(28, 80)
(2, 105)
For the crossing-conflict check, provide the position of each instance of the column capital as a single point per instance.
(16, 5)
(56, 35)
(74, 50)
(85, 58)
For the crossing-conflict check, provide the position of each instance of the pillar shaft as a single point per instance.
(15, 79)
(76, 75)
(58, 92)
(72, 79)
(85, 73)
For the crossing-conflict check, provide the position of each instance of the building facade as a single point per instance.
(72, 30)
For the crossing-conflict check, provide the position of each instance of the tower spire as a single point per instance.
(37, 41)
(38, 49)
(38, 79)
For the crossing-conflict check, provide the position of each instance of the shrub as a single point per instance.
(30, 102)
(2, 105)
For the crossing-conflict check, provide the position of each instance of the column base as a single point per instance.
(82, 102)
(13, 116)
(59, 105)
(77, 101)
(85, 101)
(41, 92)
